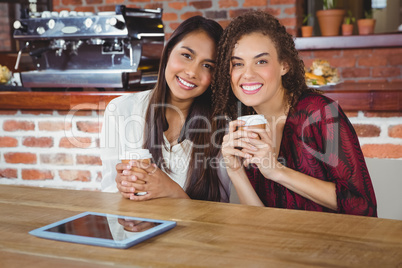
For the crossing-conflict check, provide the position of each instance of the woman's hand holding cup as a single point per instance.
(127, 181)
(261, 148)
(236, 144)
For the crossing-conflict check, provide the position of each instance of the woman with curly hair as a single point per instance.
(308, 157)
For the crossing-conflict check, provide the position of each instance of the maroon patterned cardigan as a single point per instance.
(318, 140)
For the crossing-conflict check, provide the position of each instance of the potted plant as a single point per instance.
(330, 18)
(347, 26)
(307, 30)
(366, 25)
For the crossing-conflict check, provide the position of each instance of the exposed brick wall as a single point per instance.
(174, 12)
(61, 149)
(361, 65)
(380, 134)
(50, 148)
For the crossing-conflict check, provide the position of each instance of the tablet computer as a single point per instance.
(107, 230)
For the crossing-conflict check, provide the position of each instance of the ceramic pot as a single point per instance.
(366, 26)
(330, 21)
(307, 31)
(347, 29)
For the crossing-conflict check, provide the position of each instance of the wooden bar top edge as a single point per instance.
(370, 96)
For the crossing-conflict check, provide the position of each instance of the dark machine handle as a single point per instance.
(38, 52)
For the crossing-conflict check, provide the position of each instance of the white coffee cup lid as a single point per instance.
(136, 154)
(255, 119)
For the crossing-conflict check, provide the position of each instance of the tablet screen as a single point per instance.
(104, 229)
(99, 226)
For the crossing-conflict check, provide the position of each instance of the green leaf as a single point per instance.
(368, 14)
(305, 19)
(349, 19)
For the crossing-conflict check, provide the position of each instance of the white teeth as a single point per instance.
(251, 88)
(187, 84)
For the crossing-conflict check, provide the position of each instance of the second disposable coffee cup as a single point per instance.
(140, 155)
(253, 121)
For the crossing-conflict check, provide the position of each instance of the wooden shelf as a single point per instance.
(88, 100)
(351, 97)
(348, 42)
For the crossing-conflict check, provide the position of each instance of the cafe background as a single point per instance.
(60, 148)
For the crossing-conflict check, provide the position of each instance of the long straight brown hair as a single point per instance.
(202, 179)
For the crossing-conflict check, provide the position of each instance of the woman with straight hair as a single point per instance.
(172, 121)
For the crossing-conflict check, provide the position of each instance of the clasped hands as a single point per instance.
(149, 179)
(249, 146)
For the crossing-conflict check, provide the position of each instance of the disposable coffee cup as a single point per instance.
(253, 121)
(256, 121)
(140, 155)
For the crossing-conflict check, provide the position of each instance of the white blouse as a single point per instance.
(123, 128)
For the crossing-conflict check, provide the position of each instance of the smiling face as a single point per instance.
(256, 73)
(190, 65)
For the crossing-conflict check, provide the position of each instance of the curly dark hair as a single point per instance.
(224, 101)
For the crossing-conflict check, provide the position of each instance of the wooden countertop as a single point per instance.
(207, 234)
(351, 96)
(56, 100)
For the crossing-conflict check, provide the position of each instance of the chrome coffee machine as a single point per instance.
(120, 49)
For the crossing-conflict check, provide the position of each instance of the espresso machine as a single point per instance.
(69, 49)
